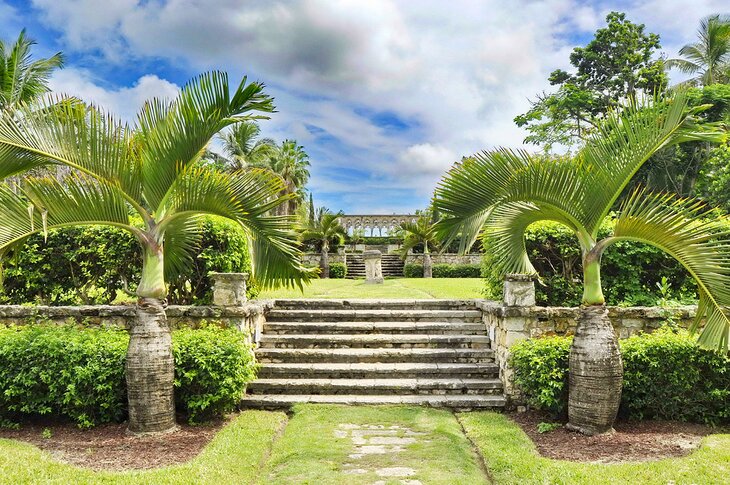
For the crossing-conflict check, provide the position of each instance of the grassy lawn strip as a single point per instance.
(311, 452)
(416, 288)
(235, 455)
(512, 459)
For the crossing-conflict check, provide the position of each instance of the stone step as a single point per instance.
(375, 355)
(373, 341)
(430, 328)
(460, 401)
(290, 315)
(370, 304)
(398, 370)
(376, 386)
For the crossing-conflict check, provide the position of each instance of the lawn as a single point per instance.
(417, 288)
(340, 444)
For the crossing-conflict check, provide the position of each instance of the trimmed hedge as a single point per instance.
(413, 270)
(631, 273)
(78, 373)
(666, 376)
(338, 270)
(90, 265)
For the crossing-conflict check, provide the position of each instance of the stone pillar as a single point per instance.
(229, 289)
(373, 266)
(519, 290)
(341, 250)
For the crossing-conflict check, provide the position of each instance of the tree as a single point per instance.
(616, 65)
(291, 163)
(505, 191)
(152, 173)
(709, 57)
(416, 233)
(23, 80)
(244, 148)
(325, 228)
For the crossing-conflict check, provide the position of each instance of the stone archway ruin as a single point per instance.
(383, 224)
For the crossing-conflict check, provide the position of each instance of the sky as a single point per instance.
(384, 95)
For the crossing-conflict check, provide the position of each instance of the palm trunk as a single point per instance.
(150, 370)
(325, 260)
(427, 265)
(596, 370)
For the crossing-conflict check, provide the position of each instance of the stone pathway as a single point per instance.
(379, 440)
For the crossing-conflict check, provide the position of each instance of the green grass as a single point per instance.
(417, 288)
(512, 459)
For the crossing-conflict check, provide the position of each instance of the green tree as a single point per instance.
(708, 58)
(504, 192)
(152, 173)
(291, 163)
(324, 229)
(22, 79)
(614, 66)
(418, 233)
(244, 148)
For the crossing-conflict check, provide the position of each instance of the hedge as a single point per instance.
(91, 265)
(338, 270)
(413, 270)
(631, 272)
(666, 376)
(78, 373)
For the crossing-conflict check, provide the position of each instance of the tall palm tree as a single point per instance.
(291, 163)
(709, 58)
(23, 80)
(325, 229)
(152, 173)
(244, 147)
(505, 191)
(420, 232)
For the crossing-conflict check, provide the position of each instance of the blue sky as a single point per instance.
(384, 95)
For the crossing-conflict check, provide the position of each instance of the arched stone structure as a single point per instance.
(375, 224)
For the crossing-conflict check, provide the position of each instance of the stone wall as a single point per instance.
(446, 258)
(312, 259)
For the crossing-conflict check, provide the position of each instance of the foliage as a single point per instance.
(212, 368)
(78, 373)
(547, 427)
(709, 58)
(420, 233)
(338, 270)
(415, 270)
(614, 66)
(714, 183)
(666, 376)
(242, 147)
(323, 230)
(290, 162)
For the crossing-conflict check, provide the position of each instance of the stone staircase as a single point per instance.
(392, 265)
(426, 352)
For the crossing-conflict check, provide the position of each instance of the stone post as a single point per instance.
(519, 290)
(229, 289)
(373, 266)
(341, 250)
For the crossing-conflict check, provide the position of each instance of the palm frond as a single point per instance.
(182, 241)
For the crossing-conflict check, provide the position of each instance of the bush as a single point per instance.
(666, 376)
(92, 265)
(338, 270)
(78, 374)
(412, 270)
(630, 271)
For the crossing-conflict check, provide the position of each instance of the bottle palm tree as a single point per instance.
(23, 80)
(325, 229)
(420, 232)
(243, 147)
(709, 58)
(503, 192)
(152, 173)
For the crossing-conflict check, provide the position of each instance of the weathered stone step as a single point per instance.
(375, 355)
(402, 341)
(431, 328)
(470, 316)
(369, 304)
(462, 401)
(376, 386)
(378, 370)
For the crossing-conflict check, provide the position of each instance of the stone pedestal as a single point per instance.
(341, 250)
(229, 289)
(519, 290)
(373, 266)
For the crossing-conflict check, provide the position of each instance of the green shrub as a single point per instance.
(630, 271)
(456, 271)
(78, 373)
(91, 265)
(666, 376)
(412, 270)
(338, 270)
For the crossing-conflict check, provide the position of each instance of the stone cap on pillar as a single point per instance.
(519, 290)
(372, 254)
(229, 289)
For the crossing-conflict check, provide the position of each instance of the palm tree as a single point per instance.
(504, 191)
(243, 147)
(23, 80)
(291, 163)
(709, 58)
(325, 229)
(420, 232)
(152, 173)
